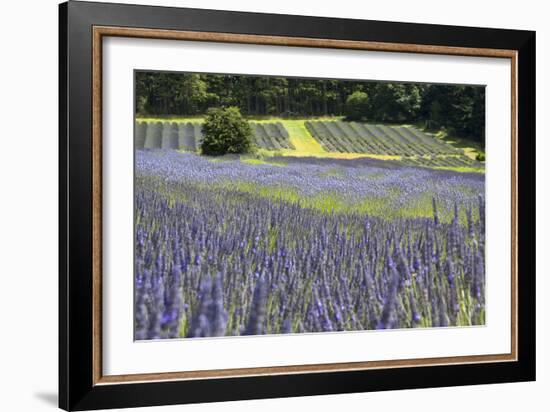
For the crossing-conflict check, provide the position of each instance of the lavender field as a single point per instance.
(231, 246)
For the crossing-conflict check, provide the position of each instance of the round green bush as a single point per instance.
(225, 131)
(480, 157)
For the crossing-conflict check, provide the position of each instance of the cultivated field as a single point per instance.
(304, 244)
(188, 136)
(321, 138)
(311, 223)
(408, 143)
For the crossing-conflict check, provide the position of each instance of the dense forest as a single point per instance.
(458, 109)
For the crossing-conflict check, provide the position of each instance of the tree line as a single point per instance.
(459, 109)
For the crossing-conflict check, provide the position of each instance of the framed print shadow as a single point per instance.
(256, 206)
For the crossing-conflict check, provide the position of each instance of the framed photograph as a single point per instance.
(257, 205)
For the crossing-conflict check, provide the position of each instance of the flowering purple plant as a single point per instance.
(226, 248)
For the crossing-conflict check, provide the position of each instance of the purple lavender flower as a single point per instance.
(226, 248)
(255, 325)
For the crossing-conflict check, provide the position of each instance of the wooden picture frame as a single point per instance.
(83, 26)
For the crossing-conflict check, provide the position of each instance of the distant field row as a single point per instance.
(406, 144)
(353, 137)
(188, 136)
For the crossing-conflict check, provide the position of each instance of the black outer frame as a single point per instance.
(76, 389)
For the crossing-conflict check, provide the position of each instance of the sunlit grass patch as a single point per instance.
(460, 169)
(386, 206)
(303, 142)
(469, 147)
(256, 161)
(280, 192)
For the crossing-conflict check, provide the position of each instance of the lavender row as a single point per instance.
(271, 136)
(188, 136)
(215, 260)
(366, 183)
(413, 145)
